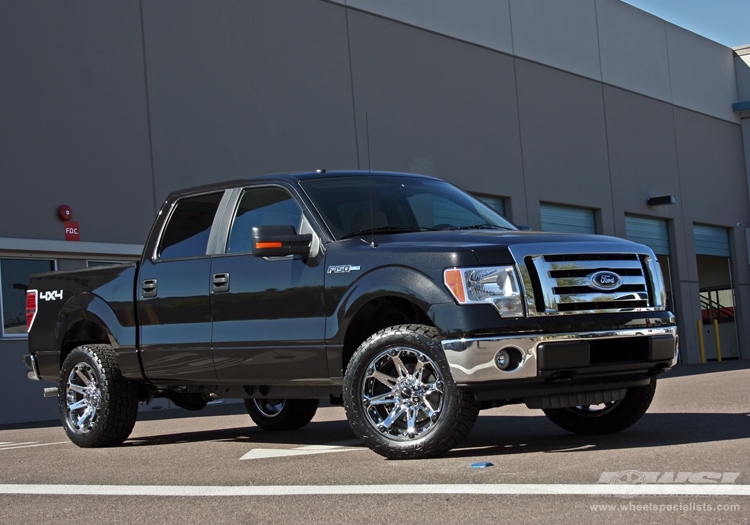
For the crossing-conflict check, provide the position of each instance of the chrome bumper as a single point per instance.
(473, 360)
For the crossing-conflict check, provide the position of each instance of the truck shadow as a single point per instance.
(315, 433)
(497, 434)
(501, 435)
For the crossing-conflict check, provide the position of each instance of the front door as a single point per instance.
(268, 313)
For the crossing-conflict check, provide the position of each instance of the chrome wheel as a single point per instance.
(594, 410)
(402, 393)
(97, 406)
(269, 407)
(281, 414)
(605, 418)
(83, 397)
(400, 398)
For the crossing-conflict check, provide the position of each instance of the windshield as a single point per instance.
(362, 204)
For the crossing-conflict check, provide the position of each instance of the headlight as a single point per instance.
(495, 285)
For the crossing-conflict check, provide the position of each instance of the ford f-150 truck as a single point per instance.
(399, 296)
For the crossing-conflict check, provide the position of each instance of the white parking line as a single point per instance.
(8, 444)
(337, 490)
(308, 450)
(28, 444)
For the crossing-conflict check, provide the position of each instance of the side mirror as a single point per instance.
(279, 241)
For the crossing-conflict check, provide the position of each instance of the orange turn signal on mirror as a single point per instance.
(455, 283)
(261, 245)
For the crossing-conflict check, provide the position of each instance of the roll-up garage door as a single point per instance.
(654, 233)
(496, 203)
(567, 219)
(711, 240)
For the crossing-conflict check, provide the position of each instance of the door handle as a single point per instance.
(148, 288)
(220, 283)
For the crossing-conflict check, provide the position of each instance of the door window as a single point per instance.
(261, 207)
(189, 227)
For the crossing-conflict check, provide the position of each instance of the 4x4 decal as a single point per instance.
(51, 295)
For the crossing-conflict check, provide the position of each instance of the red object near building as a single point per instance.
(72, 231)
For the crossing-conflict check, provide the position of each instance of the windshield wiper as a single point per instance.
(382, 229)
(481, 227)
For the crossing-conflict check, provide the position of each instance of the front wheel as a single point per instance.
(606, 418)
(98, 408)
(400, 398)
(281, 414)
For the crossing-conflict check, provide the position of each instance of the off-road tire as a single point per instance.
(400, 397)
(281, 414)
(610, 418)
(98, 407)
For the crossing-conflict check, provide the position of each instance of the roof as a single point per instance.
(289, 178)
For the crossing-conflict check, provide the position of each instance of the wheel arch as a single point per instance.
(88, 319)
(384, 297)
(376, 314)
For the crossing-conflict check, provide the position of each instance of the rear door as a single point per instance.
(268, 313)
(173, 290)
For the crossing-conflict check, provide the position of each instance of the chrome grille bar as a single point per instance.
(561, 281)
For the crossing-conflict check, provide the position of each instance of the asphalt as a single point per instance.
(698, 428)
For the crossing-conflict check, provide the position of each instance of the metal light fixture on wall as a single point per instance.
(661, 201)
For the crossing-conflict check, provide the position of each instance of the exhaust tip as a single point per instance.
(50, 392)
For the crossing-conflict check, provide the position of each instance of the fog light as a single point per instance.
(503, 360)
(509, 359)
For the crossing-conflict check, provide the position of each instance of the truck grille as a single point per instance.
(590, 283)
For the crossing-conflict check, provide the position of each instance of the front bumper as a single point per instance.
(473, 361)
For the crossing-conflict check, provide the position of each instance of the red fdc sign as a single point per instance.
(72, 232)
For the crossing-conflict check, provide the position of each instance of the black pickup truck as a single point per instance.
(400, 296)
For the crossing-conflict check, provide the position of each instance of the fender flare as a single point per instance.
(389, 281)
(92, 308)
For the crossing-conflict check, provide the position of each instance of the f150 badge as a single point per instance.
(51, 295)
(343, 268)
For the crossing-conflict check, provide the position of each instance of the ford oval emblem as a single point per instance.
(605, 281)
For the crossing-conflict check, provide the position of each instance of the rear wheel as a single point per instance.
(281, 414)
(606, 418)
(98, 408)
(400, 398)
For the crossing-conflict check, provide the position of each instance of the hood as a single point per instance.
(491, 247)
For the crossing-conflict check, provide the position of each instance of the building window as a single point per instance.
(14, 277)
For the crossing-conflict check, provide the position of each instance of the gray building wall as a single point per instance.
(592, 103)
